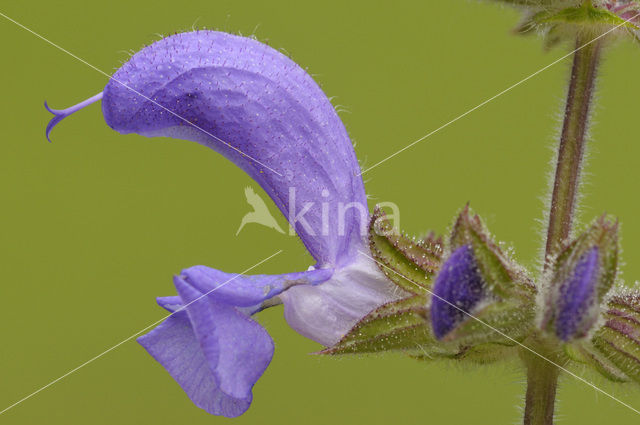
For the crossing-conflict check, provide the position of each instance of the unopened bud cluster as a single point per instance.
(469, 301)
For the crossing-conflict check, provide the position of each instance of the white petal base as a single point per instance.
(326, 312)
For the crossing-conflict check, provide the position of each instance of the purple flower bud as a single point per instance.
(458, 288)
(577, 302)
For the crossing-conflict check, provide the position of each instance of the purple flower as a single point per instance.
(458, 288)
(577, 303)
(262, 111)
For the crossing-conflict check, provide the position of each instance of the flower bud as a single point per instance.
(479, 286)
(583, 274)
(459, 288)
(577, 304)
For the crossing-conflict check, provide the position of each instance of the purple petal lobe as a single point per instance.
(214, 352)
(248, 347)
(174, 345)
(248, 290)
(458, 288)
(170, 304)
(576, 308)
(209, 344)
(262, 111)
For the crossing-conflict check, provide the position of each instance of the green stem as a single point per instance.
(542, 381)
(572, 143)
(542, 376)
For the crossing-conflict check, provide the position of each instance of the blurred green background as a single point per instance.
(95, 224)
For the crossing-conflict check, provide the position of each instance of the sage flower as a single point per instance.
(583, 276)
(255, 106)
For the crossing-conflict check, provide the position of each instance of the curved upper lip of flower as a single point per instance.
(264, 106)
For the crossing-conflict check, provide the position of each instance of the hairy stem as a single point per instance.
(542, 380)
(572, 143)
(542, 376)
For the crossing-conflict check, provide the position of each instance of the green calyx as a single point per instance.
(400, 325)
(602, 234)
(601, 238)
(403, 325)
(500, 321)
(408, 262)
(504, 278)
(507, 313)
(610, 343)
(617, 342)
(614, 349)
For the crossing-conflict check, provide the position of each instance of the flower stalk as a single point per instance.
(542, 376)
(542, 382)
(572, 142)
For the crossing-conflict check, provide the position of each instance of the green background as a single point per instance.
(95, 224)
